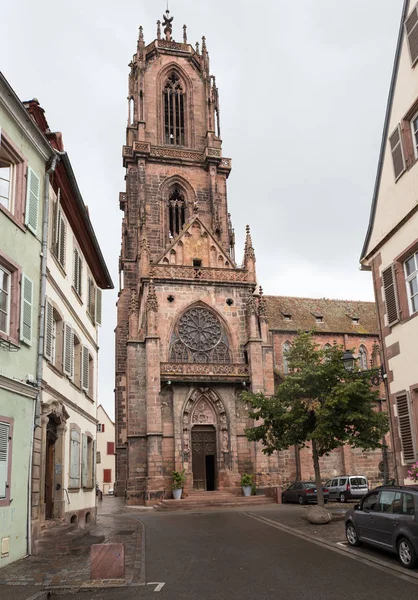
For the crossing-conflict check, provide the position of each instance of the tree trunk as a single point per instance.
(315, 457)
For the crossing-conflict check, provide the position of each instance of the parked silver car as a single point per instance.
(345, 487)
(388, 519)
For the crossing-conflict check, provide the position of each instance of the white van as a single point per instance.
(346, 487)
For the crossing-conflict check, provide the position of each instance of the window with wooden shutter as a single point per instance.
(93, 463)
(59, 232)
(91, 298)
(111, 448)
(85, 369)
(4, 459)
(411, 29)
(398, 157)
(107, 475)
(26, 310)
(32, 201)
(68, 358)
(84, 461)
(391, 296)
(74, 459)
(98, 307)
(77, 272)
(405, 427)
(49, 331)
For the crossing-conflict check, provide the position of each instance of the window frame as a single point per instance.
(11, 182)
(11, 267)
(10, 153)
(59, 234)
(10, 423)
(74, 483)
(408, 279)
(77, 272)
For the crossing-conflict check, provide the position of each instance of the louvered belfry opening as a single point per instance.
(174, 101)
(176, 212)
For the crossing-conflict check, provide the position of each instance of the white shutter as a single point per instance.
(84, 461)
(32, 201)
(4, 457)
(49, 328)
(68, 362)
(85, 369)
(98, 307)
(94, 458)
(75, 459)
(61, 245)
(26, 310)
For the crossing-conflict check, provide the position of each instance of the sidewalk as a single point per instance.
(73, 571)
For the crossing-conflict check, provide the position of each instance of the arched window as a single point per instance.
(327, 348)
(286, 348)
(131, 111)
(363, 358)
(176, 212)
(174, 103)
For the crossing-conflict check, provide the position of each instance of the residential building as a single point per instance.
(193, 328)
(25, 161)
(65, 442)
(105, 475)
(390, 249)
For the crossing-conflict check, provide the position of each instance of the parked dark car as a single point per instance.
(302, 492)
(387, 518)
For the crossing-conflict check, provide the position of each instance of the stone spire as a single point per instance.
(249, 256)
(252, 328)
(152, 309)
(141, 37)
(167, 24)
(158, 30)
(262, 315)
(184, 34)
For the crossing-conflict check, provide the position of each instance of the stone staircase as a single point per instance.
(207, 500)
(58, 537)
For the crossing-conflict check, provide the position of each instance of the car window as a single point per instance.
(343, 481)
(309, 485)
(358, 481)
(370, 502)
(334, 482)
(327, 483)
(291, 487)
(387, 501)
(404, 504)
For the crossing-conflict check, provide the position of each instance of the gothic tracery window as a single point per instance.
(174, 105)
(199, 338)
(176, 212)
(363, 358)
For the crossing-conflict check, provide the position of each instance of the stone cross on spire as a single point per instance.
(167, 23)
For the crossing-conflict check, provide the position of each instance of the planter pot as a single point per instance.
(177, 494)
(246, 490)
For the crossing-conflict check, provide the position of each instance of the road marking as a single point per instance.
(159, 585)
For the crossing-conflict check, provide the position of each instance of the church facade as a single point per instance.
(193, 327)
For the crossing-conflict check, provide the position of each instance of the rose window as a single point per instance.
(199, 338)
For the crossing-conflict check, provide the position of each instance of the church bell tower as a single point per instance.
(192, 330)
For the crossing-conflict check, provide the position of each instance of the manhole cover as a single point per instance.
(126, 532)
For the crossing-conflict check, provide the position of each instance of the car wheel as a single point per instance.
(406, 553)
(351, 535)
(342, 497)
(301, 500)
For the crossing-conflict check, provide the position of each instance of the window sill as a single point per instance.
(55, 370)
(74, 385)
(77, 295)
(73, 490)
(408, 318)
(12, 218)
(10, 341)
(5, 502)
(89, 398)
(59, 265)
(89, 488)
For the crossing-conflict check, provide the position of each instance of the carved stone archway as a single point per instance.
(204, 407)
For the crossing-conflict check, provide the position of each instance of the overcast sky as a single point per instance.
(303, 88)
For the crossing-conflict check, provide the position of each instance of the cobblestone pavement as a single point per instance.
(115, 523)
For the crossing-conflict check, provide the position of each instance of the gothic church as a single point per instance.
(193, 329)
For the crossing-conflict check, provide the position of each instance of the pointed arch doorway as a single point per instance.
(204, 457)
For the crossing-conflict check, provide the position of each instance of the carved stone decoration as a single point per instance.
(203, 413)
(225, 440)
(262, 307)
(152, 302)
(133, 302)
(199, 329)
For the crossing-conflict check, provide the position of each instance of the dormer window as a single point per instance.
(319, 319)
(287, 317)
(174, 104)
(355, 320)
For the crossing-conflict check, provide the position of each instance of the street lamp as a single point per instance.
(348, 360)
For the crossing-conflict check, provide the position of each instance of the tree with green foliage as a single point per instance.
(319, 403)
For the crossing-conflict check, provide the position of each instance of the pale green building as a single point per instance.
(25, 159)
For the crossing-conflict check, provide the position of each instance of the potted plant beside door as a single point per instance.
(177, 485)
(246, 484)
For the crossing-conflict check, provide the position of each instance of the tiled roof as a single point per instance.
(338, 316)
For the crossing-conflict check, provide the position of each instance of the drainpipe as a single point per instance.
(37, 404)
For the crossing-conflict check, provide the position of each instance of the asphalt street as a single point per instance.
(230, 555)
